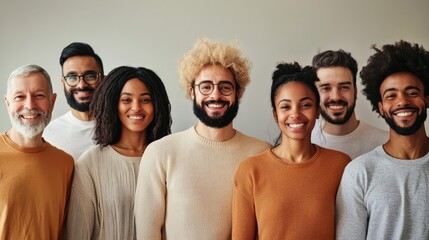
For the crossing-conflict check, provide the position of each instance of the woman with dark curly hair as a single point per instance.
(131, 109)
(288, 191)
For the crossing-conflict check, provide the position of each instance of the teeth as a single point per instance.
(136, 117)
(404, 114)
(336, 107)
(296, 125)
(214, 105)
(29, 116)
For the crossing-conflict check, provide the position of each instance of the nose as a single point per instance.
(402, 100)
(216, 92)
(29, 103)
(334, 94)
(82, 83)
(296, 112)
(136, 105)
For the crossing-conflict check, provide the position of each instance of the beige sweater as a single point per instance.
(102, 198)
(184, 189)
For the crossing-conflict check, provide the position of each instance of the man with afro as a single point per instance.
(384, 194)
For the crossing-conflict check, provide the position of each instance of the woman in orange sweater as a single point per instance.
(288, 191)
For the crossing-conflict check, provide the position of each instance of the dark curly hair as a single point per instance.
(80, 49)
(338, 58)
(393, 58)
(104, 107)
(293, 72)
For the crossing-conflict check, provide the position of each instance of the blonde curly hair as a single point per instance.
(206, 52)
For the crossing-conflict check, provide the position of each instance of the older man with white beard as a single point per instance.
(34, 176)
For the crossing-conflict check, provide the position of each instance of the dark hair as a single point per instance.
(338, 58)
(393, 58)
(80, 49)
(292, 72)
(104, 107)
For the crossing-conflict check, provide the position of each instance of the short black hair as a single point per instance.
(390, 59)
(104, 107)
(80, 49)
(338, 58)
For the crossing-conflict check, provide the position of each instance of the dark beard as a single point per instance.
(339, 121)
(216, 122)
(81, 107)
(406, 131)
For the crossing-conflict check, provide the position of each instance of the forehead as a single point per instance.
(30, 83)
(214, 73)
(400, 81)
(294, 91)
(134, 85)
(80, 65)
(334, 75)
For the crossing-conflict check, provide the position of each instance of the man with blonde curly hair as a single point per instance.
(184, 189)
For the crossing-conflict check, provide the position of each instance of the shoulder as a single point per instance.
(371, 130)
(59, 154)
(366, 162)
(252, 141)
(333, 154)
(251, 165)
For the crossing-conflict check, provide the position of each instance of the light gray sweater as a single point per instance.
(381, 197)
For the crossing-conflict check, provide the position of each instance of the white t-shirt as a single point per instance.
(362, 140)
(70, 134)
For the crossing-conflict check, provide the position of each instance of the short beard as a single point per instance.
(216, 122)
(341, 121)
(81, 107)
(30, 130)
(406, 131)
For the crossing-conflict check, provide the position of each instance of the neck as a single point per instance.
(215, 134)
(295, 151)
(407, 147)
(25, 142)
(341, 129)
(131, 144)
(83, 116)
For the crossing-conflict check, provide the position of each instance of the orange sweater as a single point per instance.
(275, 200)
(34, 185)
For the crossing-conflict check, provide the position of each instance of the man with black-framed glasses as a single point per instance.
(184, 188)
(82, 72)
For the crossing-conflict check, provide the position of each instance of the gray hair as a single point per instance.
(26, 70)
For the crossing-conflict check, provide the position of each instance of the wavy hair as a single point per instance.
(104, 107)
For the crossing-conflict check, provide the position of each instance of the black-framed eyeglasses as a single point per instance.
(88, 78)
(226, 88)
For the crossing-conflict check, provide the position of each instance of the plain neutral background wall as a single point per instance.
(156, 33)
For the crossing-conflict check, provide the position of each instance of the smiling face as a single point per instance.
(135, 107)
(337, 94)
(215, 109)
(295, 111)
(403, 104)
(79, 97)
(30, 104)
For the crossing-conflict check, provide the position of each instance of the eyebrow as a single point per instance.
(300, 100)
(406, 89)
(86, 72)
(129, 94)
(340, 83)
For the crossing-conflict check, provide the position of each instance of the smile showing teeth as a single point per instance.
(29, 116)
(404, 114)
(135, 117)
(295, 125)
(215, 105)
(336, 107)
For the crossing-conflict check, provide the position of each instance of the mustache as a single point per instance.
(338, 102)
(405, 108)
(85, 89)
(27, 111)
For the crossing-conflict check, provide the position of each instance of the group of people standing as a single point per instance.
(111, 169)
